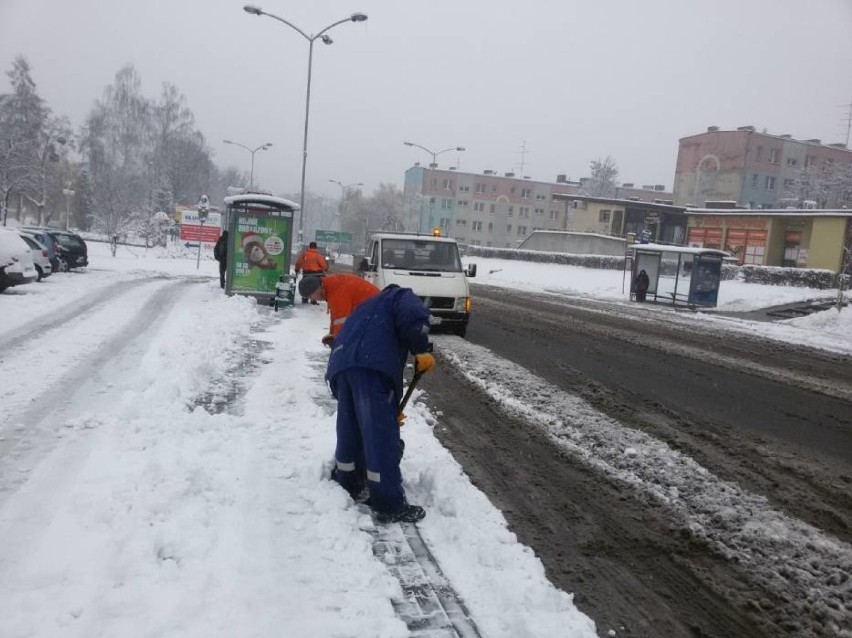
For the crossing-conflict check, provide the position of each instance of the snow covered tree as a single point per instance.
(602, 182)
(115, 147)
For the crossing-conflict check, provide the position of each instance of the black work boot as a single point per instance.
(408, 514)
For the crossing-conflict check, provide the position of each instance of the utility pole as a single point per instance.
(848, 120)
(523, 153)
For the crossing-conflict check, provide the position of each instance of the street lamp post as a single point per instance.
(355, 17)
(435, 154)
(69, 193)
(262, 147)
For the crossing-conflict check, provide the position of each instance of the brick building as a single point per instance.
(749, 169)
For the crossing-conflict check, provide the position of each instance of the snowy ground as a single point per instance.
(164, 453)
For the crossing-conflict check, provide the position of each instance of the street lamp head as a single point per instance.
(460, 148)
(326, 40)
(358, 17)
(267, 145)
(227, 141)
(253, 9)
(408, 143)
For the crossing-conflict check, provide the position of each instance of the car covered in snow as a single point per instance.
(16, 260)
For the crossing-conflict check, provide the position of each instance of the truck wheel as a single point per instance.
(461, 331)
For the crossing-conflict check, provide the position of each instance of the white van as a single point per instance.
(429, 265)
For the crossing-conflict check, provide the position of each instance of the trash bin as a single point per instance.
(285, 292)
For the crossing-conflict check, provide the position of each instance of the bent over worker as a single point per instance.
(343, 292)
(310, 262)
(365, 375)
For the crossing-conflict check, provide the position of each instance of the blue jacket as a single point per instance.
(379, 334)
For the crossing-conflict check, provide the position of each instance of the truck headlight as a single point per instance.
(463, 304)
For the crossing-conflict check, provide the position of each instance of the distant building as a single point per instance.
(619, 217)
(749, 169)
(482, 209)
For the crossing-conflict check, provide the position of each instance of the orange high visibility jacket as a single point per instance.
(344, 293)
(311, 261)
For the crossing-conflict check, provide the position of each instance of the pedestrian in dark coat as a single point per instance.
(220, 254)
(365, 375)
(642, 284)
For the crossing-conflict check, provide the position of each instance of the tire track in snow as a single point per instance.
(19, 337)
(38, 424)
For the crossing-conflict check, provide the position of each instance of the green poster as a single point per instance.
(260, 253)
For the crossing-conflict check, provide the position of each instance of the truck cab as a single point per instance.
(431, 266)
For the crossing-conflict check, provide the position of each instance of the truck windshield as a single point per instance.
(421, 254)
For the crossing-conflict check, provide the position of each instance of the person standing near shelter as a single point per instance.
(311, 262)
(642, 284)
(365, 373)
(343, 293)
(220, 254)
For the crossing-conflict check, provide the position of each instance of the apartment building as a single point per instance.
(482, 209)
(750, 169)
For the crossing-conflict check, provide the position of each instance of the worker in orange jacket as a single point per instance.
(311, 262)
(343, 293)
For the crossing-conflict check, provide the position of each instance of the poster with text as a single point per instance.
(259, 247)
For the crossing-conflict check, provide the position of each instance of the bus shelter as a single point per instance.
(680, 275)
(260, 238)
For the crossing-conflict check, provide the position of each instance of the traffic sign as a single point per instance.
(333, 236)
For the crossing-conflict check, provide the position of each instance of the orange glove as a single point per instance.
(400, 419)
(424, 362)
(328, 340)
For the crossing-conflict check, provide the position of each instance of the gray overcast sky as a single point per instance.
(576, 79)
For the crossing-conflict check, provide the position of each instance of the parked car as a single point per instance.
(16, 259)
(72, 250)
(41, 258)
(43, 235)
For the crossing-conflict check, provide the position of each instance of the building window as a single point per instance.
(512, 190)
(754, 179)
(463, 202)
(788, 183)
(477, 227)
(539, 211)
(488, 243)
(603, 216)
(476, 242)
(480, 188)
(448, 184)
(434, 182)
(525, 193)
(445, 222)
(554, 214)
(770, 183)
(758, 154)
(446, 204)
(522, 230)
(541, 197)
(508, 228)
(511, 211)
(524, 211)
(461, 222)
(464, 189)
(493, 189)
(479, 207)
(808, 160)
(492, 208)
(431, 201)
(490, 227)
(773, 155)
(792, 161)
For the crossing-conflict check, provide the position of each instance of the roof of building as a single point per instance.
(768, 212)
(261, 199)
(784, 137)
(683, 250)
(666, 208)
